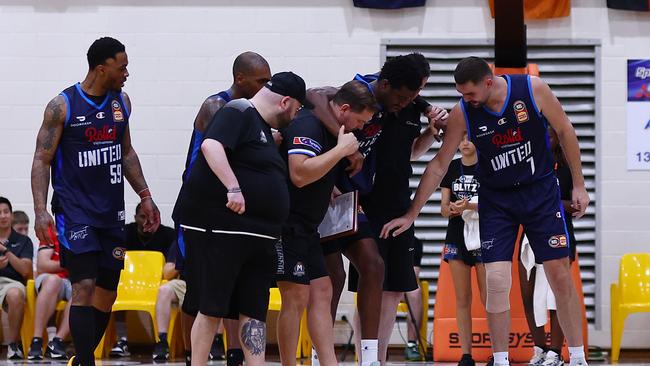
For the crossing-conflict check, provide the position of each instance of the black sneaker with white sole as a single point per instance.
(15, 351)
(161, 351)
(36, 349)
(56, 349)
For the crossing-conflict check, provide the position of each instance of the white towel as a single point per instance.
(471, 230)
(543, 298)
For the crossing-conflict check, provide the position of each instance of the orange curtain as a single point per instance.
(542, 9)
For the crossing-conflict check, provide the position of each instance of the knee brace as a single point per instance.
(498, 281)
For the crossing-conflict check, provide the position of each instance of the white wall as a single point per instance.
(180, 54)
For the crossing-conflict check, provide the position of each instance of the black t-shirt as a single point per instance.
(160, 241)
(21, 246)
(563, 174)
(306, 135)
(462, 182)
(391, 195)
(258, 166)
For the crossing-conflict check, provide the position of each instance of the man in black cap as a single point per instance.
(235, 202)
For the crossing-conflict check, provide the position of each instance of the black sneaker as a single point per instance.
(56, 349)
(235, 357)
(36, 349)
(161, 351)
(490, 361)
(188, 358)
(15, 351)
(120, 349)
(216, 351)
(466, 360)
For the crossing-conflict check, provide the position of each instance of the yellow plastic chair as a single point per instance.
(304, 342)
(403, 308)
(630, 295)
(27, 330)
(137, 290)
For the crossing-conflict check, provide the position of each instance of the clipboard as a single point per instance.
(341, 217)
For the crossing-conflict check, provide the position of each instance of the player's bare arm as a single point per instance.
(550, 106)
(47, 142)
(433, 174)
(207, 111)
(133, 174)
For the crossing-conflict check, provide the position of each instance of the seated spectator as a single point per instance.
(173, 292)
(52, 285)
(20, 223)
(16, 253)
(138, 239)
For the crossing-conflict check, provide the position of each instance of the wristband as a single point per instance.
(234, 190)
(145, 197)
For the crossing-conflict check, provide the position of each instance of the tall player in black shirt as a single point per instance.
(312, 155)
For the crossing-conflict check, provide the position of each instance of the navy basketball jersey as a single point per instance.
(87, 169)
(513, 145)
(197, 139)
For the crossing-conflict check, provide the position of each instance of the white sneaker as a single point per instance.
(538, 357)
(553, 359)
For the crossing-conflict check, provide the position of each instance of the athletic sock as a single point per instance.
(577, 353)
(314, 357)
(82, 329)
(500, 358)
(101, 322)
(369, 350)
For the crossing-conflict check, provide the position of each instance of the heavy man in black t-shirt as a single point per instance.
(234, 205)
(312, 155)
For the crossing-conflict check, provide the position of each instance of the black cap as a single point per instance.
(291, 85)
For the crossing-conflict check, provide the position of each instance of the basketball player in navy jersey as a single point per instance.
(507, 117)
(85, 142)
(250, 72)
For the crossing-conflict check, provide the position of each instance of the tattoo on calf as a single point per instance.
(253, 336)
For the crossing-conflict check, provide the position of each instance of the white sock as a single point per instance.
(314, 357)
(369, 350)
(538, 350)
(500, 358)
(577, 353)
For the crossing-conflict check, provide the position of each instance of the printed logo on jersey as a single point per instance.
(484, 132)
(465, 187)
(488, 244)
(299, 269)
(118, 116)
(511, 157)
(483, 128)
(100, 115)
(510, 138)
(502, 121)
(79, 234)
(104, 135)
(520, 111)
(263, 137)
(450, 250)
(121, 216)
(81, 118)
(306, 141)
(118, 253)
(558, 215)
(557, 241)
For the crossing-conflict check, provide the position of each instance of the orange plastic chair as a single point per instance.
(137, 290)
(630, 295)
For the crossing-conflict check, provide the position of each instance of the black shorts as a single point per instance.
(299, 256)
(397, 252)
(364, 231)
(417, 252)
(91, 253)
(228, 275)
(459, 252)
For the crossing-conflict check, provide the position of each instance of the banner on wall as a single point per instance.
(638, 114)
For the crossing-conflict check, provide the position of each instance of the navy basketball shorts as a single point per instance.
(88, 252)
(300, 256)
(536, 206)
(459, 252)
